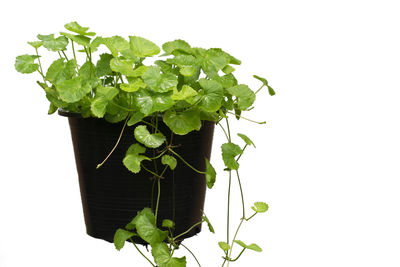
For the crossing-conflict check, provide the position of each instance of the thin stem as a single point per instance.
(115, 146)
(73, 49)
(251, 216)
(159, 155)
(191, 253)
(223, 129)
(40, 65)
(150, 171)
(240, 254)
(158, 199)
(59, 54)
(184, 161)
(188, 230)
(242, 152)
(142, 253)
(64, 55)
(228, 208)
(234, 238)
(259, 89)
(241, 194)
(258, 122)
(229, 131)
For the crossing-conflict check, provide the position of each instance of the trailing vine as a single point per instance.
(186, 86)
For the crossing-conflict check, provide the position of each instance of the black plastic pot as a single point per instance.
(112, 195)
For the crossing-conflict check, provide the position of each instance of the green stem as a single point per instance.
(247, 219)
(115, 146)
(184, 161)
(258, 122)
(188, 230)
(142, 253)
(159, 155)
(242, 152)
(234, 238)
(59, 54)
(150, 171)
(241, 194)
(228, 208)
(240, 254)
(158, 199)
(223, 129)
(259, 89)
(191, 253)
(73, 49)
(40, 66)
(64, 55)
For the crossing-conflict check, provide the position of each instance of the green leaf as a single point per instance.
(260, 207)
(79, 39)
(229, 152)
(96, 42)
(246, 139)
(75, 27)
(224, 246)
(142, 47)
(88, 71)
(123, 66)
(36, 44)
(99, 106)
(52, 109)
(228, 69)
(149, 102)
(60, 71)
(133, 158)
(120, 237)
(169, 160)
(159, 82)
(103, 65)
(26, 64)
(161, 254)
(146, 227)
(210, 174)
(53, 44)
(212, 95)
(227, 81)
(175, 262)
(168, 224)
(210, 227)
(265, 83)
(188, 71)
(139, 71)
(183, 122)
(183, 60)
(143, 136)
(73, 90)
(244, 95)
(108, 92)
(133, 85)
(185, 93)
(116, 44)
(177, 45)
(253, 246)
(211, 61)
(135, 118)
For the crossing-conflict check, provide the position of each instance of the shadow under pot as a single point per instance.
(112, 195)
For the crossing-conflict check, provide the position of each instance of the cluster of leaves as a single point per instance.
(186, 86)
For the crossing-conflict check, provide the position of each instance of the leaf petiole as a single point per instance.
(258, 122)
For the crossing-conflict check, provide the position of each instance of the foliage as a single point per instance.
(186, 86)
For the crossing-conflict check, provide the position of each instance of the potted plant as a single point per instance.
(142, 133)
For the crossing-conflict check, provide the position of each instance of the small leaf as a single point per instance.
(103, 65)
(210, 227)
(116, 44)
(244, 95)
(79, 39)
(146, 227)
(120, 237)
(252, 246)
(133, 158)
(142, 47)
(224, 246)
(168, 224)
(229, 152)
(212, 96)
(260, 207)
(169, 160)
(53, 44)
(185, 93)
(143, 136)
(75, 27)
(210, 174)
(246, 139)
(135, 118)
(177, 45)
(133, 86)
(228, 69)
(26, 64)
(183, 122)
(36, 44)
(265, 83)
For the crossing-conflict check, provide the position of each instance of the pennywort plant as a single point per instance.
(183, 87)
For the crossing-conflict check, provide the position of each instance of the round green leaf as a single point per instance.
(168, 224)
(142, 47)
(73, 90)
(245, 96)
(210, 174)
(75, 27)
(169, 160)
(185, 93)
(260, 207)
(212, 95)
(229, 152)
(133, 158)
(183, 122)
(120, 237)
(53, 44)
(159, 82)
(246, 139)
(177, 45)
(26, 64)
(36, 44)
(143, 136)
(224, 246)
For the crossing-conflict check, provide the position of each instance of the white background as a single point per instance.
(327, 161)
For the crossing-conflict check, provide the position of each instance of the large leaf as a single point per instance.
(53, 44)
(183, 122)
(103, 97)
(211, 61)
(79, 39)
(185, 93)
(210, 174)
(147, 229)
(163, 258)
(120, 237)
(177, 45)
(133, 158)
(245, 96)
(212, 95)
(103, 65)
(143, 136)
(169, 160)
(60, 71)
(229, 152)
(26, 64)
(75, 27)
(149, 102)
(142, 47)
(133, 86)
(73, 90)
(123, 66)
(252, 246)
(116, 44)
(159, 82)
